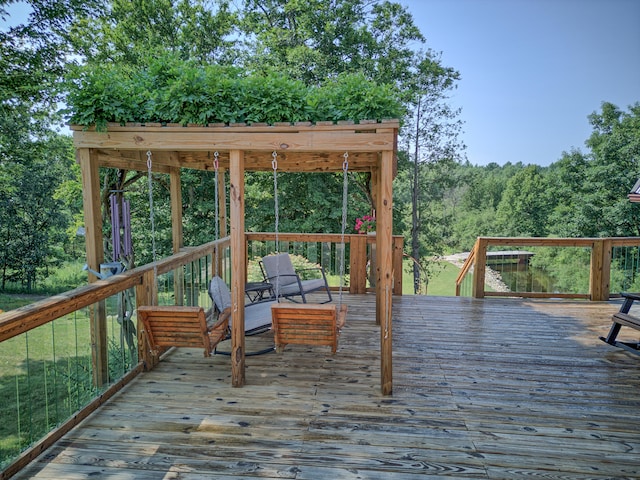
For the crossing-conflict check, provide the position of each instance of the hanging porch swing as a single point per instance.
(307, 323)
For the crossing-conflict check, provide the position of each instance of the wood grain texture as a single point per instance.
(489, 389)
(307, 324)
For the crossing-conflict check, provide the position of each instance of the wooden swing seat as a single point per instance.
(307, 324)
(177, 326)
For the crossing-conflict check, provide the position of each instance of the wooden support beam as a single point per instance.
(398, 250)
(176, 209)
(238, 267)
(600, 275)
(332, 139)
(384, 261)
(358, 264)
(480, 268)
(176, 228)
(95, 256)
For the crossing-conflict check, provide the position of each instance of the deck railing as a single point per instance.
(64, 356)
(595, 268)
(325, 250)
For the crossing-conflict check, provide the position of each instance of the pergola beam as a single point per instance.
(238, 268)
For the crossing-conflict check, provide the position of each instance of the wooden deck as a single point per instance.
(495, 388)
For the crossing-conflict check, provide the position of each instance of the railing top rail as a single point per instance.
(307, 237)
(551, 242)
(30, 316)
(466, 266)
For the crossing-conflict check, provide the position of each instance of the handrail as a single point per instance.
(600, 265)
(23, 319)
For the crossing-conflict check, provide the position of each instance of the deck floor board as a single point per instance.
(490, 389)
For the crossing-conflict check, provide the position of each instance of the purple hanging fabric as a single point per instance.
(115, 227)
(126, 223)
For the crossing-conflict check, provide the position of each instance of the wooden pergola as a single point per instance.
(304, 147)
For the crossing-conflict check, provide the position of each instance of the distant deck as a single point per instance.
(496, 389)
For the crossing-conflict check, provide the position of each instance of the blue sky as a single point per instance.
(533, 70)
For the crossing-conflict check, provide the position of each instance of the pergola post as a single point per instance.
(384, 252)
(238, 268)
(89, 168)
(176, 229)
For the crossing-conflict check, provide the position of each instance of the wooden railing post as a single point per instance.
(146, 294)
(358, 264)
(480, 255)
(398, 249)
(600, 273)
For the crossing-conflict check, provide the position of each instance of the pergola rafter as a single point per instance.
(372, 147)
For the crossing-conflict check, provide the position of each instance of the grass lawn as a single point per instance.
(11, 302)
(442, 281)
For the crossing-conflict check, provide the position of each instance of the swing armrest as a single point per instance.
(319, 269)
(294, 275)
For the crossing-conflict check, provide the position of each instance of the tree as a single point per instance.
(590, 190)
(132, 32)
(431, 138)
(525, 205)
(316, 39)
(32, 223)
(33, 158)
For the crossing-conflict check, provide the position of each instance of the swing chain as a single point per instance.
(345, 193)
(274, 164)
(152, 217)
(216, 162)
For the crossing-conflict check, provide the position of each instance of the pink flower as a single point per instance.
(365, 224)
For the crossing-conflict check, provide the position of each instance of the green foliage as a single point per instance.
(313, 40)
(351, 96)
(525, 204)
(32, 219)
(169, 90)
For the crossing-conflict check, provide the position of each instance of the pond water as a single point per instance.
(521, 277)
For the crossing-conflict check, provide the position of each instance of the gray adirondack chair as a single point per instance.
(278, 270)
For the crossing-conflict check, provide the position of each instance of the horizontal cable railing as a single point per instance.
(64, 356)
(325, 250)
(591, 268)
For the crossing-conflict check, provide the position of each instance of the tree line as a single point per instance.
(442, 201)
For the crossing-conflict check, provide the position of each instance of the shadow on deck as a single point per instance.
(494, 388)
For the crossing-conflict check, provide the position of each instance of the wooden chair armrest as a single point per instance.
(632, 296)
(218, 331)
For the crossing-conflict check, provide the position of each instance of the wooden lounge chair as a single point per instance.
(177, 326)
(623, 318)
(278, 270)
(307, 324)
